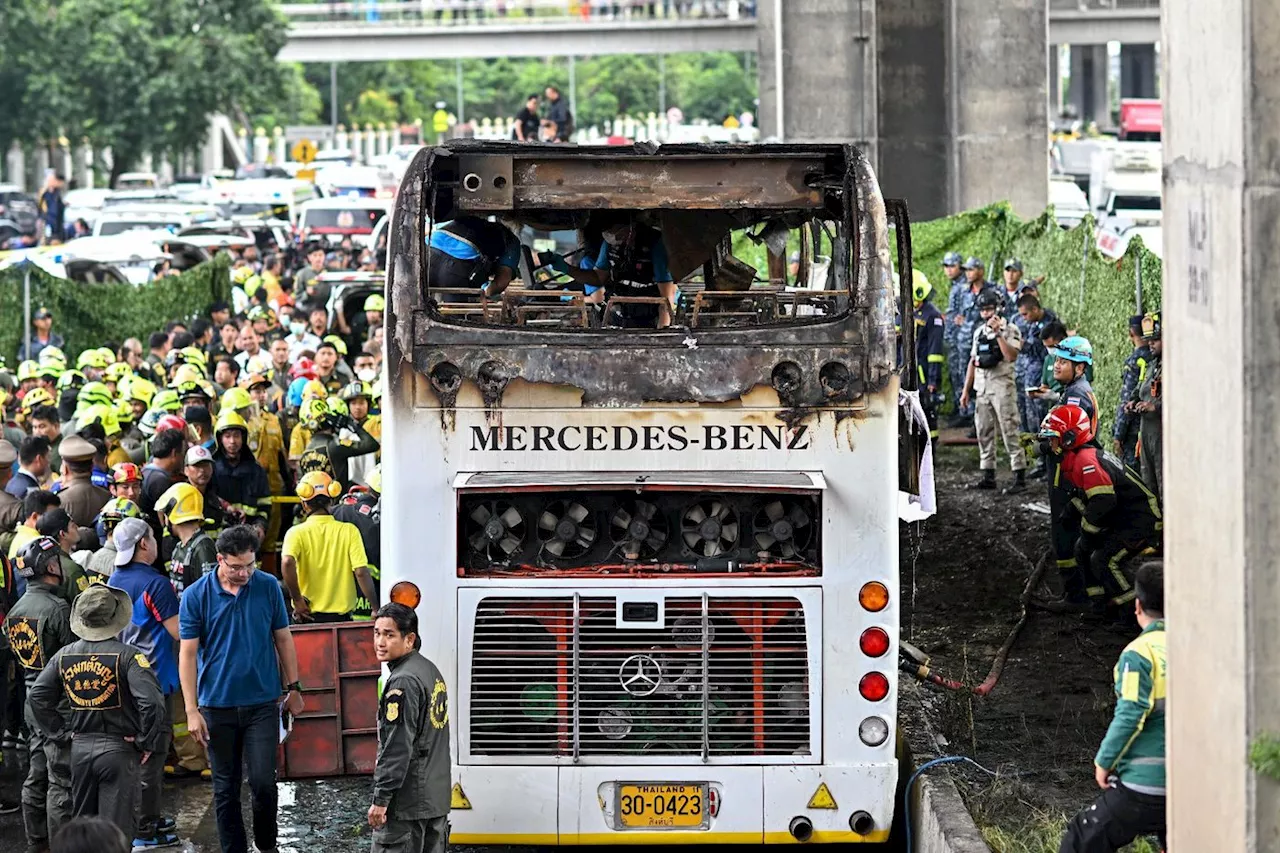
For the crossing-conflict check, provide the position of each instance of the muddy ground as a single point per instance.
(1041, 725)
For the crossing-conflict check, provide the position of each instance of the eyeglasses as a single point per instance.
(238, 567)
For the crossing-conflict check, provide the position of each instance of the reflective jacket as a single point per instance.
(1134, 746)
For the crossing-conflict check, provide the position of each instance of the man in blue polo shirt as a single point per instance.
(233, 625)
(153, 630)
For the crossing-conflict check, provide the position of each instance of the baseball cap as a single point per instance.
(974, 263)
(128, 533)
(41, 313)
(1013, 264)
(951, 259)
(198, 453)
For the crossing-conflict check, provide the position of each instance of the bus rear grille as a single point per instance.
(714, 676)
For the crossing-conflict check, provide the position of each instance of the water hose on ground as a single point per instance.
(915, 662)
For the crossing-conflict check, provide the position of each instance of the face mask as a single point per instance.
(297, 328)
(367, 375)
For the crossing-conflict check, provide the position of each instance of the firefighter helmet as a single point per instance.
(1067, 427)
(1075, 348)
(40, 557)
(181, 502)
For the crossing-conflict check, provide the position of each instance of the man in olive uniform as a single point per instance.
(37, 627)
(115, 710)
(10, 507)
(1148, 403)
(80, 497)
(411, 780)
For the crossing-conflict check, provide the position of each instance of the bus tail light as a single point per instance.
(874, 642)
(873, 731)
(873, 596)
(874, 686)
(406, 593)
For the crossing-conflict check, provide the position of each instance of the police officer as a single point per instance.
(115, 711)
(1013, 288)
(956, 360)
(1124, 434)
(967, 319)
(363, 508)
(80, 497)
(474, 254)
(411, 780)
(995, 347)
(930, 329)
(37, 627)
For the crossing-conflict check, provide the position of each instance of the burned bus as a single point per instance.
(657, 566)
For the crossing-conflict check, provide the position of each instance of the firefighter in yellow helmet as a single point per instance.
(300, 435)
(362, 506)
(266, 442)
(240, 480)
(321, 555)
(335, 440)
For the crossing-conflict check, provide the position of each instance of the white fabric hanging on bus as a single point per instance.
(921, 506)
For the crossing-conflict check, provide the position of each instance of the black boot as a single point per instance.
(1019, 483)
(988, 481)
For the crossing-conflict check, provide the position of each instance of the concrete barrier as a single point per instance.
(940, 821)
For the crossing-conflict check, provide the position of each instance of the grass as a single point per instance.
(1010, 823)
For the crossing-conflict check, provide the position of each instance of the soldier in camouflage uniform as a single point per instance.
(1124, 435)
(956, 360)
(966, 317)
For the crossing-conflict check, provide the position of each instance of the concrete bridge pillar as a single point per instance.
(1221, 419)
(1138, 71)
(1089, 83)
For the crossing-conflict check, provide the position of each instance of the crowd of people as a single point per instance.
(238, 449)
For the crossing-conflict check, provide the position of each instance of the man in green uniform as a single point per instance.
(114, 707)
(411, 780)
(10, 507)
(1130, 764)
(37, 627)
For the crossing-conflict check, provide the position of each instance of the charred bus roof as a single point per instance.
(830, 353)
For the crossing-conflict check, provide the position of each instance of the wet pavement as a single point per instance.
(317, 815)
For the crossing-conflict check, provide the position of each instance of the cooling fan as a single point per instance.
(709, 527)
(495, 529)
(783, 528)
(638, 529)
(566, 529)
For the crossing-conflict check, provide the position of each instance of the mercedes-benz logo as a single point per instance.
(640, 675)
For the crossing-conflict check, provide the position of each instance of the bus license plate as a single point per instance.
(661, 806)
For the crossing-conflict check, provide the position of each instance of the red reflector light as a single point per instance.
(874, 686)
(874, 642)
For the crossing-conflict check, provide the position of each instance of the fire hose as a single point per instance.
(915, 662)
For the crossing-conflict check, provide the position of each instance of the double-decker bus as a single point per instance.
(658, 567)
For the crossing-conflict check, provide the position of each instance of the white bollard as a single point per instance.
(340, 141)
(16, 168)
(357, 146)
(261, 146)
(384, 139)
(278, 142)
(395, 134)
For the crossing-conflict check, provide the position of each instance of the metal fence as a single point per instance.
(470, 12)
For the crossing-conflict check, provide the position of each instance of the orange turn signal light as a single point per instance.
(406, 593)
(873, 596)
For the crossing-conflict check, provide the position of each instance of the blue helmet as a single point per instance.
(951, 259)
(1074, 348)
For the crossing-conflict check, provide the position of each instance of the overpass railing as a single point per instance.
(470, 12)
(1100, 5)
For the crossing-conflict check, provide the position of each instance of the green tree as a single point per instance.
(299, 101)
(142, 76)
(374, 106)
